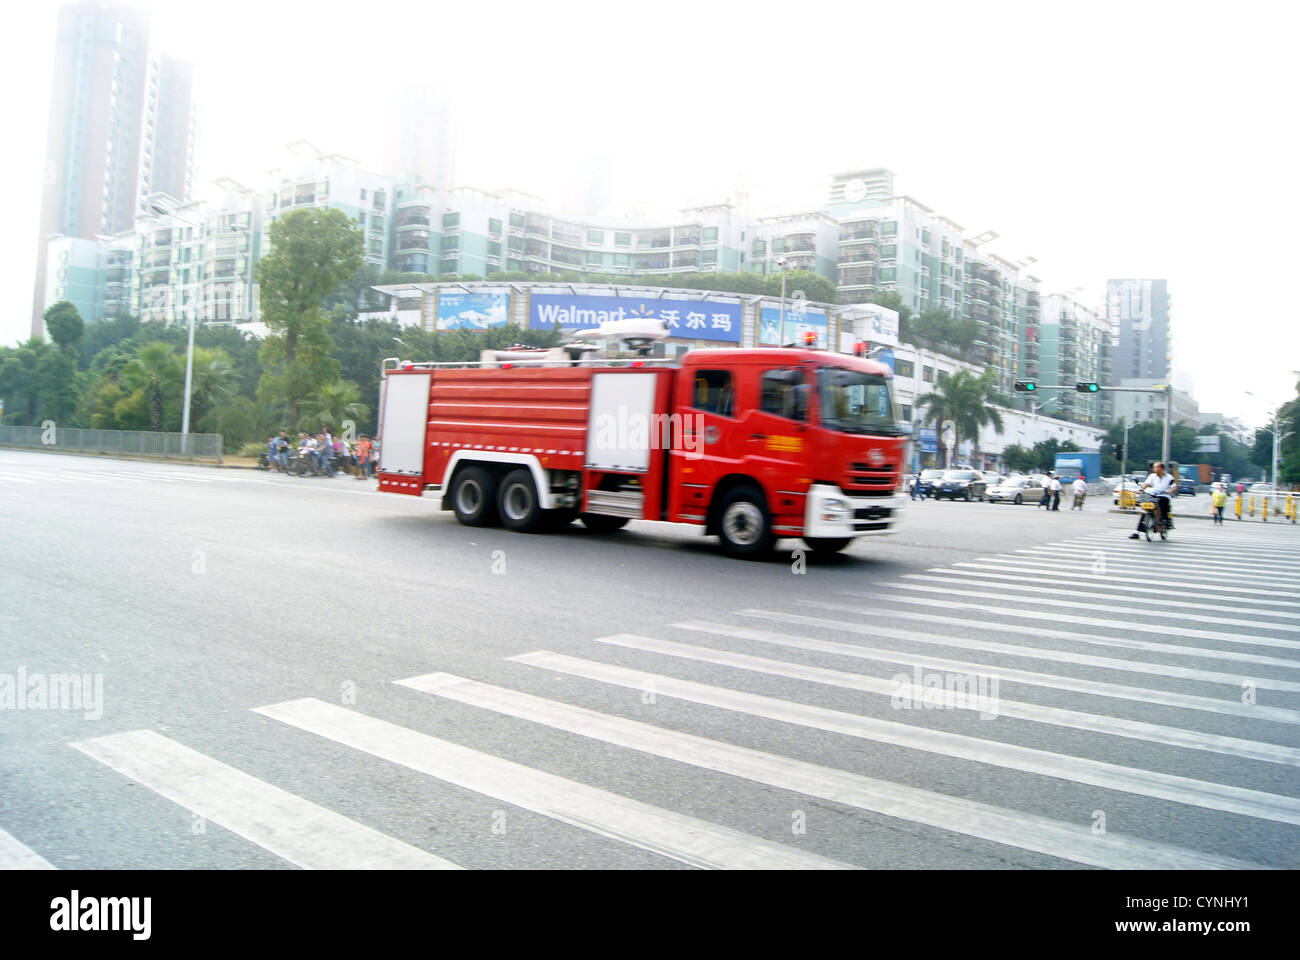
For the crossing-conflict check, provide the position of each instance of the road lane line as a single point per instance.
(1053, 616)
(1213, 573)
(995, 753)
(1185, 701)
(1064, 599)
(290, 827)
(1044, 653)
(677, 836)
(1034, 713)
(1136, 594)
(1024, 831)
(16, 856)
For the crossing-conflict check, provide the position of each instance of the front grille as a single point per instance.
(872, 513)
(867, 527)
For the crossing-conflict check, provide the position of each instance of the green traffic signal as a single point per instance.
(1087, 387)
(1027, 386)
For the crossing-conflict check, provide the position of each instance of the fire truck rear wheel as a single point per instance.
(474, 497)
(744, 525)
(599, 523)
(517, 502)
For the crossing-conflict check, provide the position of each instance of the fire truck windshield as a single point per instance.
(854, 402)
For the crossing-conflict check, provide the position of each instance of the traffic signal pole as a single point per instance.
(1029, 386)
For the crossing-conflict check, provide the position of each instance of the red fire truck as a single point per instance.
(751, 444)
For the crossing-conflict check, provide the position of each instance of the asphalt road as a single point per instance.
(633, 700)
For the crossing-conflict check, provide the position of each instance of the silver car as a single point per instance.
(1017, 490)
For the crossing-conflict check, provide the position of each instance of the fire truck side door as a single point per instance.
(712, 443)
(775, 432)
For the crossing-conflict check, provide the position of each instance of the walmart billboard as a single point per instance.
(472, 311)
(798, 321)
(689, 319)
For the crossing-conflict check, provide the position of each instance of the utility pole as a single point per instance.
(1169, 406)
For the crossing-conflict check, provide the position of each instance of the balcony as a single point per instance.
(413, 240)
(419, 216)
(851, 232)
(801, 243)
(857, 254)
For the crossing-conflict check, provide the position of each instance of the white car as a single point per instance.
(1016, 490)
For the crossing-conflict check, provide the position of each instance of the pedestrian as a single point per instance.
(1046, 499)
(362, 458)
(1056, 492)
(916, 488)
(1218, 500)
(1080, 488)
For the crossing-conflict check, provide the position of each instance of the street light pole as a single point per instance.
(189, 349)
(781, 263)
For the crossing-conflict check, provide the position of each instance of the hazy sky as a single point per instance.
(1107, 139)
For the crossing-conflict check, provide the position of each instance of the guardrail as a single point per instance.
(1285, 505)
(134, 443)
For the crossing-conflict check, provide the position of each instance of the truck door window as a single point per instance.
(712, 392)
(784, 393)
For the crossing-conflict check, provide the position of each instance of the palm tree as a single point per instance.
(153, 371)
(966, 400)
(332, 404)
(243, 419)
(214, 381)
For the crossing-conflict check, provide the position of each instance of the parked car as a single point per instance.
(961, 485)
(1186, 487)
(927, 480)
(1016, 490)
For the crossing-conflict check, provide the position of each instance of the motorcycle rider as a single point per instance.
(1162, 486)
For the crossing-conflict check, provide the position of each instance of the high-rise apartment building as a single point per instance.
(120, 119)
(1138, 311)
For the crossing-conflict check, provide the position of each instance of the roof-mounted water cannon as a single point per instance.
(639, 333)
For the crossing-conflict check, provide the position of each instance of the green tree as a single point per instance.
(64, 324)
(152, 376)
(966, 400)
(312, 252)
(1020, 459)
(213, 381)
(20, 380)
(330, 406)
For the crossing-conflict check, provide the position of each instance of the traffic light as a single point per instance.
(1026, 386)
(1087, 387)
(1119, 450)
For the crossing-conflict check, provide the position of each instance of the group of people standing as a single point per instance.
(327, 451)
(1052, 493)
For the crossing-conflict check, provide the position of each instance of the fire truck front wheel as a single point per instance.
(744, 524)
(517, 502)
(474, 497)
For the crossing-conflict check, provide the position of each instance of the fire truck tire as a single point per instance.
(744, 524)
(474, 497)
(827, 545)
(517, 502)
(599, 523)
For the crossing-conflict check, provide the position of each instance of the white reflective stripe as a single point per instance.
(1218, 562)
(669, 834)
(1239, 548)
(1064, 600)
(13, 478)
(1022, 565)
(1044, 653)
(290, 827)
(1054, 616)
(1120, 593)
(1008, 756)
(1224, 574)
(1025, 831)
(16, 856)
(1099, 688)
(110, 476)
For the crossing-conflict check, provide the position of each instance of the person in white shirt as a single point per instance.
(1080, 488)
(1056, 492)
(1161, 486)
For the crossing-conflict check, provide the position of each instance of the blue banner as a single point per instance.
(687, 319)
(797, 322)
(472, 311)
(929, 440)
(887, 358)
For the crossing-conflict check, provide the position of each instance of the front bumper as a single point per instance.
(831, 513)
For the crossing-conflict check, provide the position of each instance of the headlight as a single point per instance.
(834, 510)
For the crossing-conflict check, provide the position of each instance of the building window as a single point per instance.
(710, 235)
(708, 257)
(450, 243)
(904, 368)
(759, 248)
(450, 220)
(927, 374)
(595, 257)
(494, 227)
(889, 251)
(889, 228)
(906, 410)
(622, 239)
(622, 260)
(595, 236)
(778, 244)
(517, 220)
(888, 274)
(363, 193)
(494, 248)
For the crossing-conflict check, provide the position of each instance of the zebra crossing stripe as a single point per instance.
(1217, 573)
(1173, 649)
(1065, 599)
(1006, 581)
(1025, 831)
(679, 837)
(287, 825)
(1022, 565)
(1098, 688)
(1008, 756)
(1035, 713)
(1036, 653)
(16, 856)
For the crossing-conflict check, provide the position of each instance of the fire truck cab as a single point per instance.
(751, 444)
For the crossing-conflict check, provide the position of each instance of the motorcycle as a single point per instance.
(1151, 522)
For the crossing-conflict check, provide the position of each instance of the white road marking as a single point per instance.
(290, 827)
(1073, 842)
(1228, 707)
(1022, 565)
(957, 746)
(1043, 653)
(16, 856)
(669, 834)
